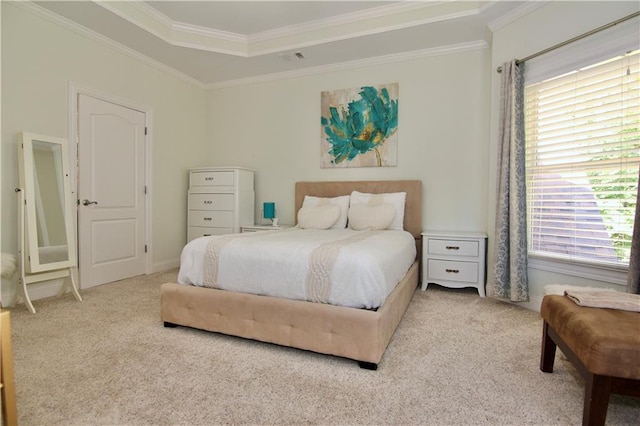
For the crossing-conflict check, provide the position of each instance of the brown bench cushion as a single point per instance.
(607, 341)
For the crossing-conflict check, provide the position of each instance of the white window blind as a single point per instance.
(582, 158)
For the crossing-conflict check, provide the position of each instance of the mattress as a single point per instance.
(340, 267)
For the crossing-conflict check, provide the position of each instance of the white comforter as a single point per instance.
(366, 269)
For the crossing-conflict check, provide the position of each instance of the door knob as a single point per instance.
(86, 202)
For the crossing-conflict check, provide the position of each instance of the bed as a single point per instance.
(355, 333)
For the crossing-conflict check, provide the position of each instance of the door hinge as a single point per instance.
(145, 189)
(145, 248)
(145, 130)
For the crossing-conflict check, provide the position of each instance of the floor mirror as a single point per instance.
(46, 237)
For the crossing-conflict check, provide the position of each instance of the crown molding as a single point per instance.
(379, 60)
(356, 24)
(175, 33)
(488, 4)
(345, 19)
(515, 14)
(294, 43)
(210, 32)
(174, 26)
(141, 16)
(85, 32)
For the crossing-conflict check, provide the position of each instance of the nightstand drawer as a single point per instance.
(218, 219)
(211, 201)
(201, 231)
(211, 178)
(453, 247)
(452, 270)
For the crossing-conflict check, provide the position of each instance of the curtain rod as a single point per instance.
(581, 36)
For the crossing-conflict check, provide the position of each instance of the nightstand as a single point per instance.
(454, 259)
(257, 228)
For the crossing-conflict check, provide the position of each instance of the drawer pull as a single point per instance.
(453, 271)
(208, 178)
(207, 218)
(452, 248)
(208, 202)
(206, 235)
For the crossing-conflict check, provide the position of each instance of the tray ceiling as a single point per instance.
(222, 43)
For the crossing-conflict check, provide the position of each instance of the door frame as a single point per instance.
(77, 89)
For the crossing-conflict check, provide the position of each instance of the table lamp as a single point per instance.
(269, 212)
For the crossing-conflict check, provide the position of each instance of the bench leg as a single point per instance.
(548, 350)
(596, 400)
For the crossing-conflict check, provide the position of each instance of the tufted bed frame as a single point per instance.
(359, 334)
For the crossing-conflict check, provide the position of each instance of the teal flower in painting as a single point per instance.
(364, 126)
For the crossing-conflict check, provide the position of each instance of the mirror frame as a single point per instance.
(27, 182)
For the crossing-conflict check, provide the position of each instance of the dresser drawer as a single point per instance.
(215, 179)
(213, 218)
(452, 270)
(201, 231)
(453, 247)
(211, 201)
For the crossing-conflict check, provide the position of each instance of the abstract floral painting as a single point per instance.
(359, 127)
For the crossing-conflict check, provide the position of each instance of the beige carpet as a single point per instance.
(455, 359)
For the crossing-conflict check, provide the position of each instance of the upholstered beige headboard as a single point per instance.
(413, 188)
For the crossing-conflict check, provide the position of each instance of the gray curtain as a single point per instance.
(510, 255)
(633, 282)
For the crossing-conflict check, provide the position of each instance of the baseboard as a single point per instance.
(533, 304)
(45, 289)
(37, 291)
(165, 266)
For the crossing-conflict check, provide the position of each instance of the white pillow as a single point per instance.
(318, 217)
(396, 199)
(364, 216)
(341, 201)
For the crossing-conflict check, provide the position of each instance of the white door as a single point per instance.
(111, 192)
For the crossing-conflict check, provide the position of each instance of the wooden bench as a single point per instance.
(602, 344)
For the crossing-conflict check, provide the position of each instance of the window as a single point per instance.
(582, 157)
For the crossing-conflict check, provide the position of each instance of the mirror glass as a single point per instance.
(49, 202)
(48, 220)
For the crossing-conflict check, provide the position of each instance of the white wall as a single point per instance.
(447, 120)
(40, 59)
(274, 128)
(547, 26)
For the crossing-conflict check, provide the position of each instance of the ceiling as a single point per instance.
(224, 43)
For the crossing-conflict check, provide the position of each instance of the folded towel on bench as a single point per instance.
(605, 299)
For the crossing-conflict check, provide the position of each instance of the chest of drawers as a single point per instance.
(220, 201)
(454, 259)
